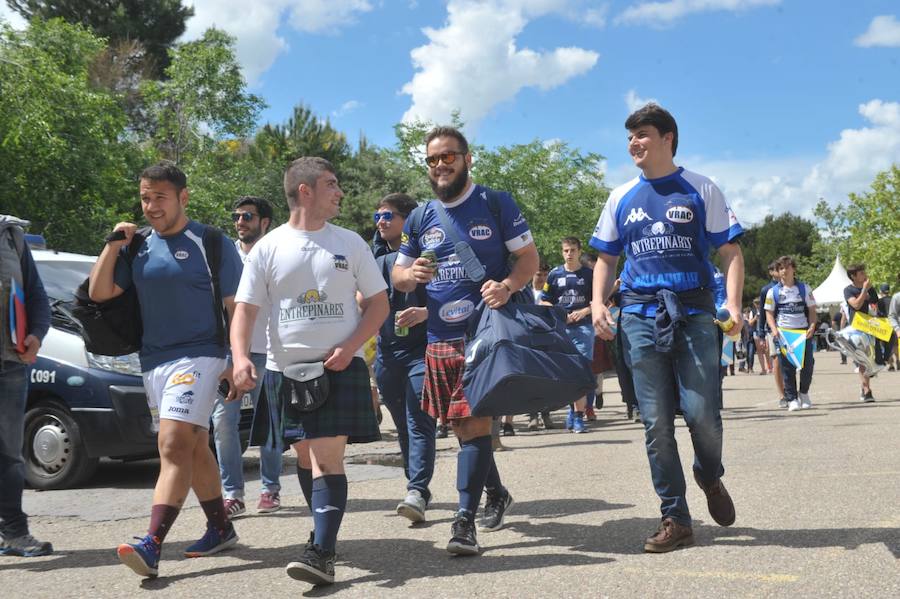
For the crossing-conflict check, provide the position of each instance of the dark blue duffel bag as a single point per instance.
(520, 360)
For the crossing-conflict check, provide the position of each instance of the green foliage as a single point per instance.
(784, 235)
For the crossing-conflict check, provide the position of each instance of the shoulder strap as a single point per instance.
(137, 241)
(18, 239)
(776, 289)
(415, 219)
(448, 226)
(212, 247)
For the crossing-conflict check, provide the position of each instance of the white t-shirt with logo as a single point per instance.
(792, 306)
(305, 282)
(258, 342)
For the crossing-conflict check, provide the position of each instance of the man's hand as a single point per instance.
(736, 317)
(338, 358)
(128, 229)
(232, 389)
(603, 322)
(422, 271)
(495, 294)
(576, 315)
(244, 375)
(32, 345)
(411, 317)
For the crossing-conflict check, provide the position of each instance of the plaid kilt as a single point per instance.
(348, 410)
(442, 395)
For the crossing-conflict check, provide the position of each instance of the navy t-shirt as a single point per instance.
(174, 288)
(390, 346)
(870, 307)
(570, 290)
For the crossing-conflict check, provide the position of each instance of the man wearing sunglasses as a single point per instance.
(252, 217)
(452, 297)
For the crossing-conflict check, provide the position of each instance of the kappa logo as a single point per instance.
(340, 262)
(182, 255)
(637, 215)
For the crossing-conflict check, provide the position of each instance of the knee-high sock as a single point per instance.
(492, 484)
(304, 475)
(329, 500)
(473, 462)
(161, 519)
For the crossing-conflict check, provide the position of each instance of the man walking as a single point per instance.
(17, 269)
(469, 229)
(304, 278)
(861, 297)
(252, 217)
(182, 354)
(665, 221)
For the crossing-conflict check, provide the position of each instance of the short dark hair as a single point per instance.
(571, 241)
(773, 265)
(786, 260)
(263, 207)
(306, 169)
(855, 268)
(544, 267)
(445, 131)
(656, 116)
(166, 170)
(399, 202)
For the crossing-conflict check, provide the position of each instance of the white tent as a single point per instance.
(831, 292)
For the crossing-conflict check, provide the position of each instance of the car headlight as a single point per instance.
(129, 364)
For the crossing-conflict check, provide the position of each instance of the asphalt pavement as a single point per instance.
(816, 493)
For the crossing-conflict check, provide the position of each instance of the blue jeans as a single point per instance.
(400, 384)
(691, 373)
(13, 392)
(582, 335)
(789, 373)
(226, 417)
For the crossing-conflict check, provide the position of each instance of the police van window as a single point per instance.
(61, 278)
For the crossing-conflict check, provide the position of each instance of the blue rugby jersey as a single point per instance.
(569, 290)
(452, 297)
(666, 227)
(174, 288)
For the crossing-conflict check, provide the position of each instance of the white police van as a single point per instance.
(83, 406)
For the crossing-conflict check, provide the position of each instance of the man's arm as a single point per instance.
(496, 294)
(374, 310)
(242, 321)
(894, 313)
(102, 286)
(860, 300)
(813, 321)
(604, 275)
(733, 264)
(405, 278)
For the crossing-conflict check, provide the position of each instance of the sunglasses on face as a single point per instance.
(446, 158)
(244, 216)
(388, 216)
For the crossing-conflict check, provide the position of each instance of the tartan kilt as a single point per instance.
(442, 395)
(348, 411)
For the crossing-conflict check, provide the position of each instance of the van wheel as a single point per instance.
(55, 456)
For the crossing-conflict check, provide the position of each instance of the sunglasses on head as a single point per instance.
(446, 158)
(388, 216)
(244, 216)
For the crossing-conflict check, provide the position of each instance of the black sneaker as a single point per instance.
(462, 540)
(495, 509)
(508, 430)
(441, 432)
(315, 566)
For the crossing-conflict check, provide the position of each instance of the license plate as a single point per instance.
(246, 402)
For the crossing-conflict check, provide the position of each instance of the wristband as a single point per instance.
(508, 290)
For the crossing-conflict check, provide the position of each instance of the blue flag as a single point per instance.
(727, 352)
(793, 345)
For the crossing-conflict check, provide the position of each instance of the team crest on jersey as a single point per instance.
(637, 215)
(433, 237)
(184, 378)
(185, 398)
(657, 228)
(404, 238)
(312, 296)
(680, 214)
(480, 232)
(181, 254)
(340, 262)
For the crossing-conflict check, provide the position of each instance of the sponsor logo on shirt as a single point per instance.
(184, 378)
(177, 410)
(658, 228)
(637, 215)
(185, 398)
(480, 232)
(520, 220)
(456, 311)
(404, 238)
(680, 214)
(311, 305)
(561, 282)
(433, 237)
(658, 238)
(181, 254)
(340, 262)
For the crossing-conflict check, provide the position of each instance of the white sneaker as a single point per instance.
(413, 507)
(804, 401)
(794, 405)
(783, 402)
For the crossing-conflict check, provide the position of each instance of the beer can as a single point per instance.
(432, 258)
(400, 331)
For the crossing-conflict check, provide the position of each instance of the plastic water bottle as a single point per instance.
(725, 322)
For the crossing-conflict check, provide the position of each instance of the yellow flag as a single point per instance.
(873, 325)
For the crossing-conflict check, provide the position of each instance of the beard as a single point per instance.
(449, 191)
(250, 236)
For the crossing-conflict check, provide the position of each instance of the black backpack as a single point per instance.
(114, 327)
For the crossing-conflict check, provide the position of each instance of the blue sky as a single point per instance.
(780, 101)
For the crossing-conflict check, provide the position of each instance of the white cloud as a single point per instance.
(633, 101)
(883, 31)
(346, 108)
(13, 18)
(666, 13)
(255, 25)
(453, 73)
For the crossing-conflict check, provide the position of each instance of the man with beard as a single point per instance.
(492, 225)
(252, 218)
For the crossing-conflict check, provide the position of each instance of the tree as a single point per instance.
(776, 236)
(156, 24)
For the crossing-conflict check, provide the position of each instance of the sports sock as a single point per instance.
(162, 517)
(304, 475)
(473, 462)
(329, 500)
(215, 513)
(492, 484)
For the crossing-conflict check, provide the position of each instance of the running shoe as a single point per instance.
(578, 424)
(315, 566)
(590, 414)
(268, 502)
(805, 403)
(508, 430)
(783, 402)
(495, 508)
(867, 397)
(24, 546)
(462, 536)
(441, 432)
(570, 420)
(413, 507)
(235, 508)
(142, 557)
(212, 542)
(548, 422)
(793, 405)
(533, 423)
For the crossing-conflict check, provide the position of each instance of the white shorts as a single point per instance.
(184, 390)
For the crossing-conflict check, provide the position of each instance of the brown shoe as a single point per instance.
(669, 536)
(718, 501)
